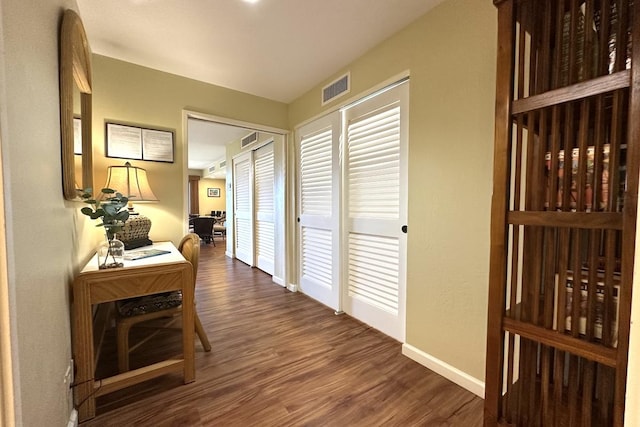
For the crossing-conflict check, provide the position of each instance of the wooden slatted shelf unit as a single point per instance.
(564, 211)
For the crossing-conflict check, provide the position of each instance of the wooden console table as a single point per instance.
(167, 272)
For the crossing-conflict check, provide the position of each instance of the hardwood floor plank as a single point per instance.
(280, 359)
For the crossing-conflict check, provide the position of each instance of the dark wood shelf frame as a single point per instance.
(566, 167)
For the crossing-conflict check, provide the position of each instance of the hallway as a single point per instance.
(280, 358)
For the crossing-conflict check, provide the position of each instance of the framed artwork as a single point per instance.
(213, 192)
(138, 143)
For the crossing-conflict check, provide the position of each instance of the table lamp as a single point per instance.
(132, 182)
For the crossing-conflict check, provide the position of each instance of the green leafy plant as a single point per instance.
(110, 208)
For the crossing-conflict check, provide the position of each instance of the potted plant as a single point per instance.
(111, 209)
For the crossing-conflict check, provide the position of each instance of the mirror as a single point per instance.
(75, 75)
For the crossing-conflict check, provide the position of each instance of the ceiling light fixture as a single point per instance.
(251, 1)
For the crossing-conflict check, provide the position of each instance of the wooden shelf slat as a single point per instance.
(573, 92)
(585, 220)
(595, 352)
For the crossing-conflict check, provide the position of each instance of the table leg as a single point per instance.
(188, 327)
(83, 356)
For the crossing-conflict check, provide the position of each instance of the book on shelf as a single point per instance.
(588, 182)
(600, 290)
(592, 50)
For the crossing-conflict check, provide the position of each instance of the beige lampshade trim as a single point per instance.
(131, 181)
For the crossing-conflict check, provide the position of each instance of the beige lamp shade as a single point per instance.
(131, 181)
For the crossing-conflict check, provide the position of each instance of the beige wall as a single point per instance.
(632, 412)
(130, 93)
(208, 204)
(450, 53)
(47, 239)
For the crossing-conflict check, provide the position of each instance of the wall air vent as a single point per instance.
(336, 88)
(249, 139)
(223, 164)
(212, 169)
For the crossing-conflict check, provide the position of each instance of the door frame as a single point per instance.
(399, 92)
(399, 82)
(7, 397)
(285, 266)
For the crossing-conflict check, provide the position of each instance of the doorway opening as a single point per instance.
(212, 146)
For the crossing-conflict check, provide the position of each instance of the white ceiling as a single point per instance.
(207, 142)
(277, 49)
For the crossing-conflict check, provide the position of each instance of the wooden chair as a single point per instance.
(151, 307)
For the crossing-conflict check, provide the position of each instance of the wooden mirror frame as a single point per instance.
(75, 68)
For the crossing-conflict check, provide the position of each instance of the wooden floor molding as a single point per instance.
(451, 373)
(280, 358)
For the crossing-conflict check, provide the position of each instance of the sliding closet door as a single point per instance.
(376, 211)
(265, 208)
(243, 207)
(319, 190)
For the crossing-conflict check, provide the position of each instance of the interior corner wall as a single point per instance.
(450, 54)
(47, 237)
(129, 93)
(208, 204)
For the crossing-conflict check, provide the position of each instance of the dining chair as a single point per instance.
(166, 305)
(203, 227)
(220, 229)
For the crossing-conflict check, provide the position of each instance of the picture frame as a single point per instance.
(139, 143)
(213, 192)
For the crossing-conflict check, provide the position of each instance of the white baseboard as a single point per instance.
(451, 373)
(278, 280)
(292, 287)
(73, 419)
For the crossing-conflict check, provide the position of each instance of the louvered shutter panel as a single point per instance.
(264, 205)
(373, 270)
(316, 184)
(375, 183)
(374, 166)
(316, 173)
(243, 210)
(316, 256)
(319, 194)
(374, 192)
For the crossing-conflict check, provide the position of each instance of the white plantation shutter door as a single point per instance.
(264, 206)
(319, 180)
(376, 188)
(243, 208)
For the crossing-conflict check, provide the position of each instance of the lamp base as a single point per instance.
(136, 243)
(135, 232)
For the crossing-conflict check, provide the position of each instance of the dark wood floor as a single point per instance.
(281, 359)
